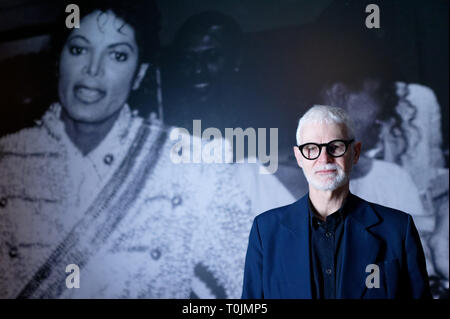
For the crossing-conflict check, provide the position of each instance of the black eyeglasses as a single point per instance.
(335, 148)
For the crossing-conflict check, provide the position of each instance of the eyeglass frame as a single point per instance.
(346, 143)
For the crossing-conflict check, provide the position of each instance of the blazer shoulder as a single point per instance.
(390, 216)
(27, 140)
(276, 214)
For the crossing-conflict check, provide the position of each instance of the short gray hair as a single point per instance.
(326, 114)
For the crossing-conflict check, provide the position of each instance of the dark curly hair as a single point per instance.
(142, 15)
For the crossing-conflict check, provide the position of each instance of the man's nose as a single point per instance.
(324, 157)
(95, 65)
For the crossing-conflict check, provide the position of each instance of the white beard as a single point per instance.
(340, 178)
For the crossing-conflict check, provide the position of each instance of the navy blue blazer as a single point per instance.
(277, 263)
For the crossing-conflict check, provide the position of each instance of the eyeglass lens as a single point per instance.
(336, 148)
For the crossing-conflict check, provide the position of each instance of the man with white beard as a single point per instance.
(330, 243)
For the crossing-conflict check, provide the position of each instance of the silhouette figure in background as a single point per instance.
(201, 72)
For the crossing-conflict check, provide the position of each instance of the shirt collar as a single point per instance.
(107, 155)
(55, 126)
(332, 219)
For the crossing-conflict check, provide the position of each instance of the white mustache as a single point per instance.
(327, 167)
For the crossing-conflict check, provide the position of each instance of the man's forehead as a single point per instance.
(322, 132)
(202, 42)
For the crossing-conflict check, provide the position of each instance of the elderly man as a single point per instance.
(331, 243)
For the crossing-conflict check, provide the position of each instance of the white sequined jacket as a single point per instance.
(135, 223)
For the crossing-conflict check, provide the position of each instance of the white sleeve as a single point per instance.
(266, 191)
(237, 193)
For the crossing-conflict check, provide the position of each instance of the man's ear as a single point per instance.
(298, 156)
(356, 152)
(335, 94)
(140, 75)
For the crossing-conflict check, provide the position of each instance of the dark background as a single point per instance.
(416, 32)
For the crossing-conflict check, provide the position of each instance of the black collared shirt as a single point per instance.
(326, 251)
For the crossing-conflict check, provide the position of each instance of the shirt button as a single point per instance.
(3, 202)
(328, 234)
(176, 200)
(13, 252)
(156, 254)
(328, 271)
(109, 158)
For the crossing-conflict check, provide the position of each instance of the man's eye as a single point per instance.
(332, 148)
(76, 50)
(119, 56)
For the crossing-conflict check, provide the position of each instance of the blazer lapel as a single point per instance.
(360, 248)
(296, 245)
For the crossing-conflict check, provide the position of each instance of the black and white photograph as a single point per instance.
(169, 149)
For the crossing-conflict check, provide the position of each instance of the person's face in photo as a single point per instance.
(204, 61)
(98, 67)
(327, 172)
(365, 109)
